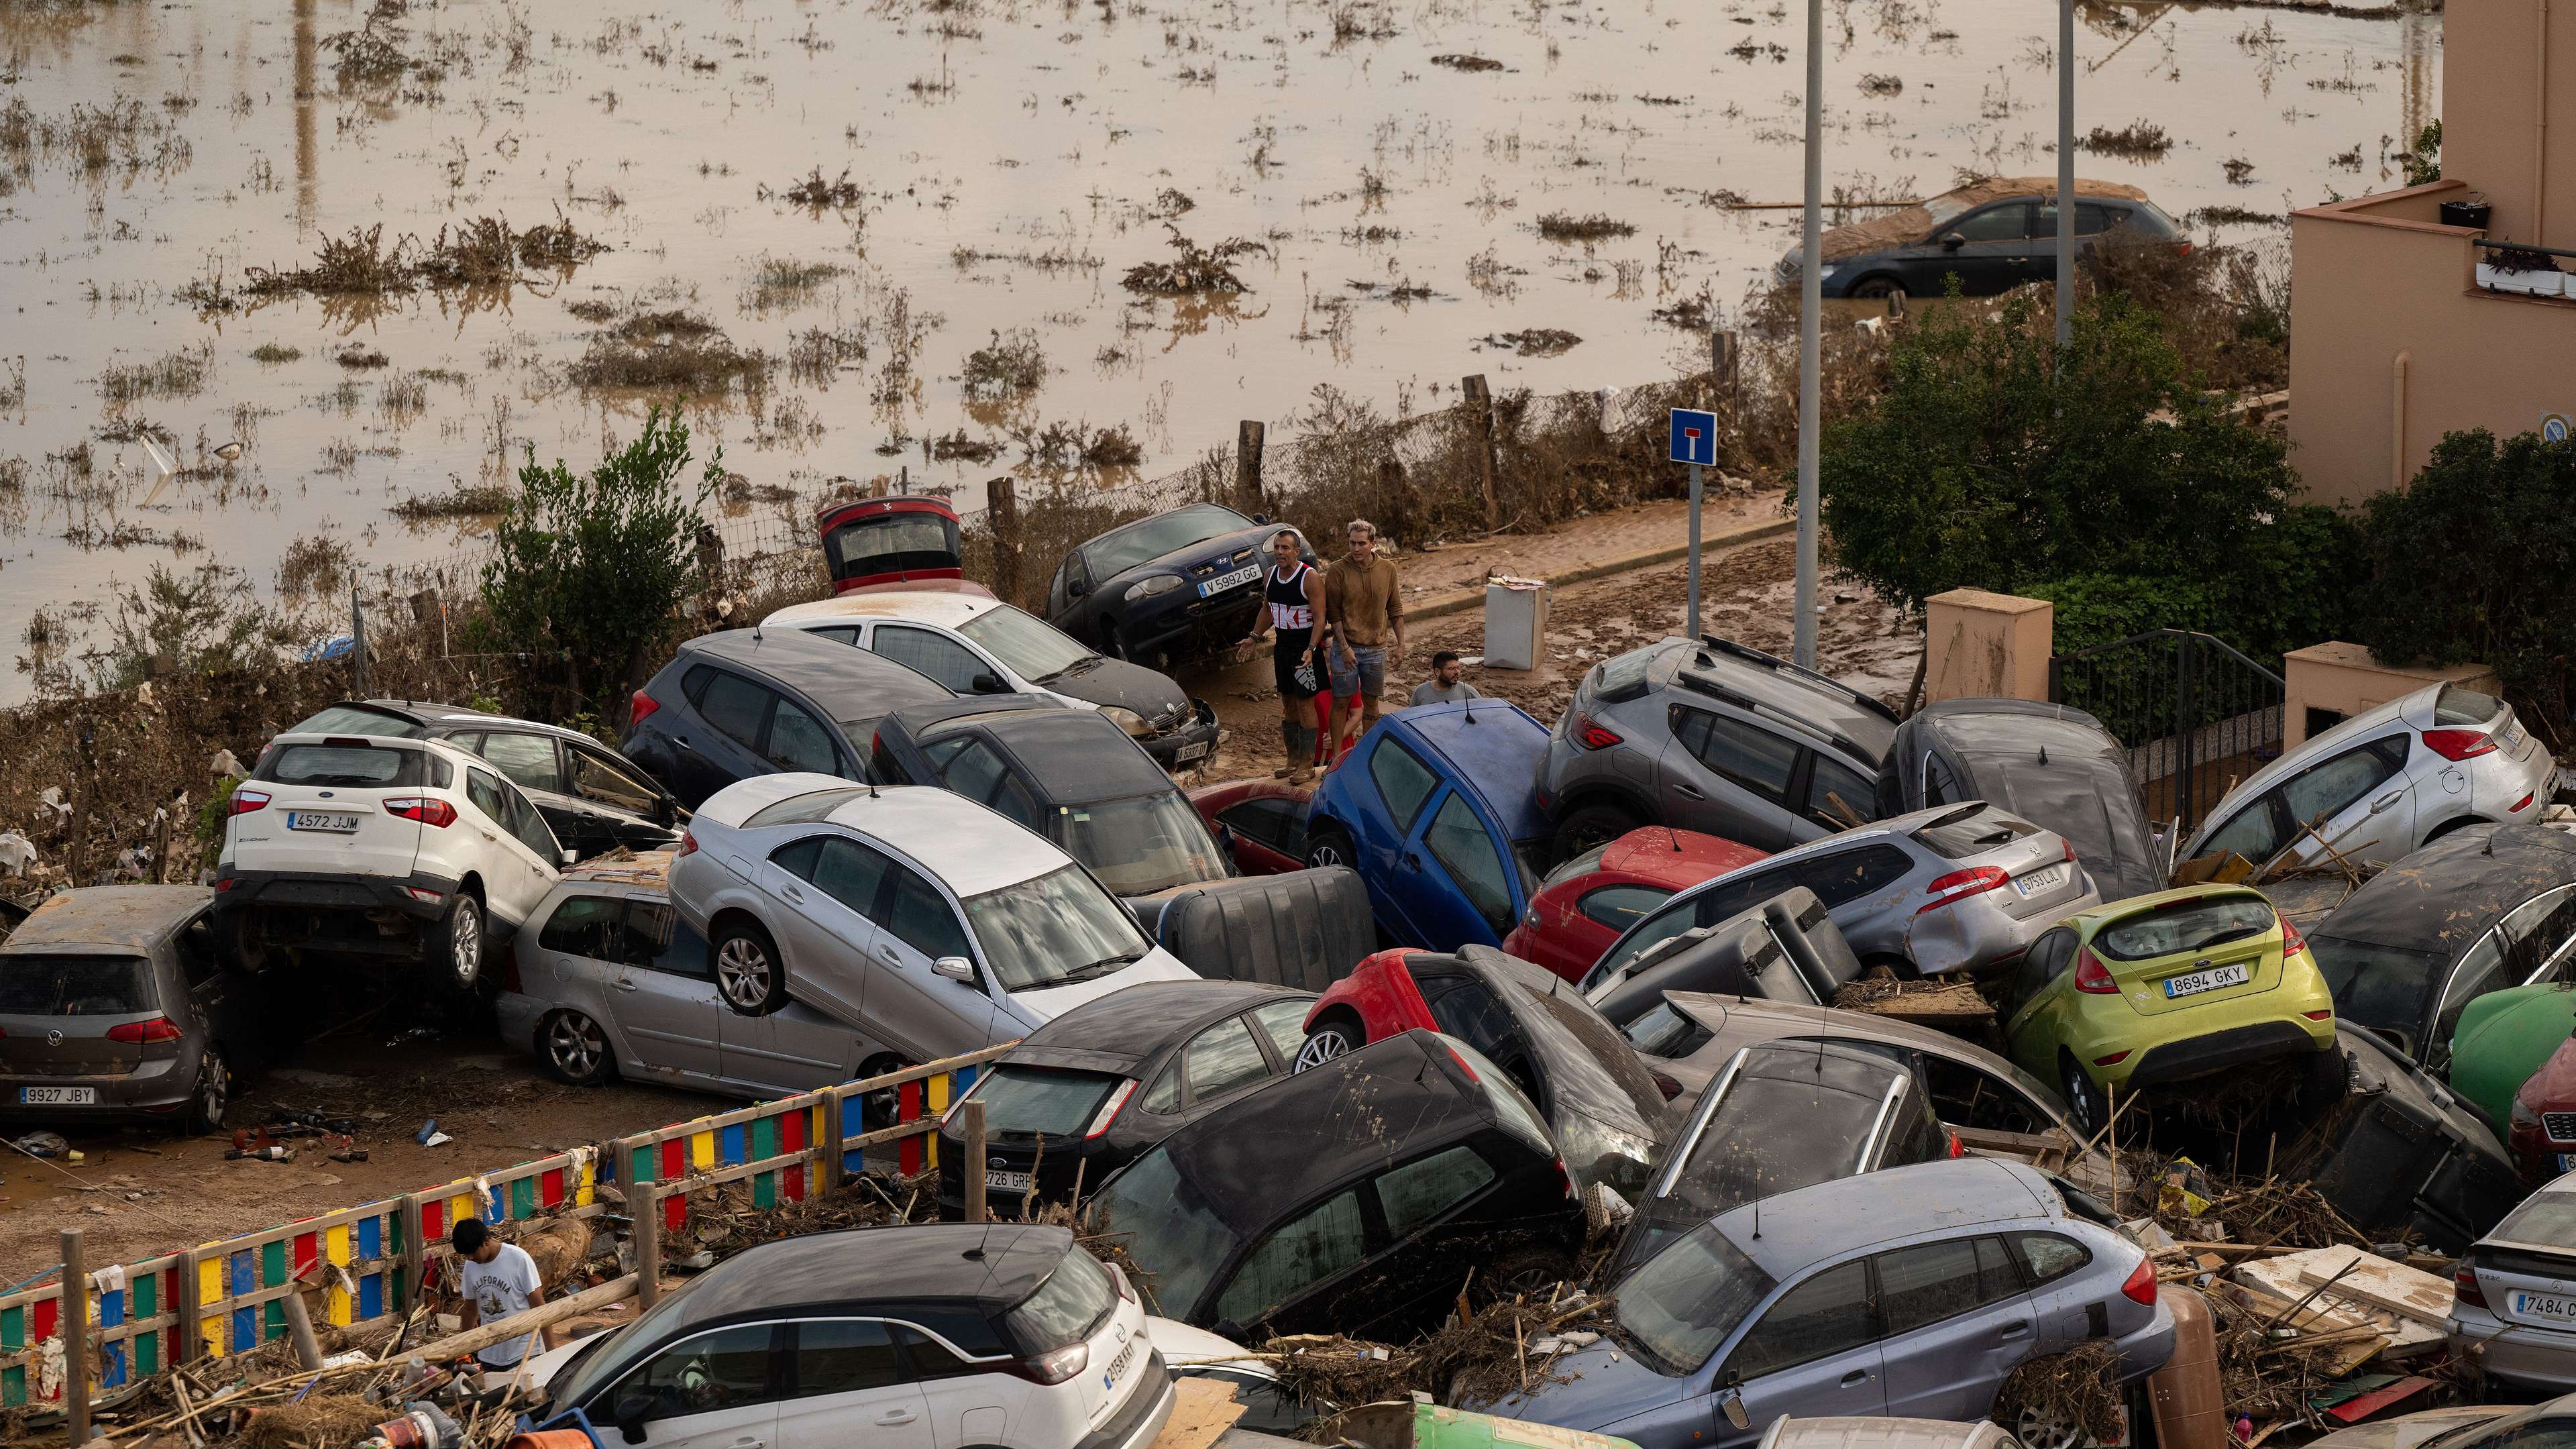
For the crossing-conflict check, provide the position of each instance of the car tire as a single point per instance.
(1875, 287)
(212, 1094)
(1337, 1035)
(2086, 1105)
(2326, 1081)
(877, 1109)
(1518, 1272)
(1110, 644)
(1330, 845)
(1586, 826)
(575, 1049)
(749, 972)
(463, 941)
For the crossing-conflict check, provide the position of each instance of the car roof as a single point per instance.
(132, 916)
(1746, 677)
(1495, 747)
(1115, 1032)
(849, 684)
(994, 1265)
(457, 716)
(1108, 533)
(1716, 1011)
(1811, 1224)
(971, 848)
(924, 606)
(1676, 858)
(1337, 1121)
(1077, 754)
(2442, 895)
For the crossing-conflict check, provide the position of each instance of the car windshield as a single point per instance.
(1156, 537)
(1171, 1231)
(76, 986)
(1030, 648)
(345, 765)
(1142, 844)
(2376, 985)
(1059, 928)
(1682, 1303)
(1041, 1101)
(2195, 925)
(357, 719)
(1066, 1307)
(1584, 864)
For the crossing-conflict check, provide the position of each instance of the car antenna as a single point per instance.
(1675, 839)
(2043, 754)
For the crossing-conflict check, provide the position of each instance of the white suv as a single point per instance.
(928, 923)
(374, 846)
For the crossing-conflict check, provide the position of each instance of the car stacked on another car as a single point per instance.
(746, 702)
(2047, 763)
(1590, 900)
(1170, 586)
(2512, 1312)
(1262, 823)
(1785, 949)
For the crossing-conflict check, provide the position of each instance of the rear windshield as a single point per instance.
(344, 765)
(2547, 1217)
(1973, 830)
(1625, 676)
(800, 809)
(880, 537)
(2457, 706)
(1769, 1136)
(1666, 1032)
(357, 719)
(2184, 926)
(1041, 1102)
(1584, 864)
(1067, 1306)
(76, 986)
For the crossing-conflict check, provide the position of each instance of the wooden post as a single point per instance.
(644, 1208)
(415, 1254)
(187, 1344)
(971, 1115)
(74, 1327)
(825, 1175)
(161, 846)
(1247, 466)
(1395, 502)
(1724, 360)
(1480, 415)
(299, 1329)
(1002, 516)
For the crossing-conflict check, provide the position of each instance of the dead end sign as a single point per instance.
(1694, 437)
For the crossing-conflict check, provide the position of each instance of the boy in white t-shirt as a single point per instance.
(499, 1279)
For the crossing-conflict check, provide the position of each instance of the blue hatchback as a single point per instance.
(1437, 808)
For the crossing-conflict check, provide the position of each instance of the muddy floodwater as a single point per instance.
(894, 237)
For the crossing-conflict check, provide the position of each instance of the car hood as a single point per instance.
(1182, 560)
(1115, 683)
(1048, 1003)
(2409, 1430)
(1593, 1388)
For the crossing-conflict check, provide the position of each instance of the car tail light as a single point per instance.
(2465, 1289)
(2292, 942)
(1957, 1148)
(1564, 1179)
(2518, 804)
(1055, 1367)
(2068, 846)
(2113, 1060)
(1462, 1065)
(2459, 744)
(688, 844)
(2141, 1287)
(1958, 885)
(1126, 1289)
(225, 883)
(2325, 1015)
(423, 895)
(1108, 1112)
(427, 809)
(144, 1033)
(639, 707)
(2182, 249)
(1666, 1085)
(246, 801)
(1592, 736)
(2091, 975)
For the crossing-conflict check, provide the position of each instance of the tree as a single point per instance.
(589, 569)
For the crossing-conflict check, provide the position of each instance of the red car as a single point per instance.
(904, 542)
(2541, 1138)
(1262, 821)
(1591, 900)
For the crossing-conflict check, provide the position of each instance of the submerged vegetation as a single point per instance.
(483, 252)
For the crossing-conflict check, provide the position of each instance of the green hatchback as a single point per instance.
(2164, 988)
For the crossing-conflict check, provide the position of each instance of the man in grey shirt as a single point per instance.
(1444, 686)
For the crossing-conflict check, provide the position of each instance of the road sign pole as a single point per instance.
(1693, 607)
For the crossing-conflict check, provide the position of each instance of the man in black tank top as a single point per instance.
(1292, 607)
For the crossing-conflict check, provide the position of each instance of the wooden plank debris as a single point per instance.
(1202, 1413)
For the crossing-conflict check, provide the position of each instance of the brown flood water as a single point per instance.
(1011, 162)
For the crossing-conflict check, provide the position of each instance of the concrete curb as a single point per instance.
(1460, 600)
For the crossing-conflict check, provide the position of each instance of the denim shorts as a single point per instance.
(1365, 673)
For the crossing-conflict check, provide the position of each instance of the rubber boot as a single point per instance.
(1291, 735)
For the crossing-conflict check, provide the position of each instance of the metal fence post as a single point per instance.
(186, 1343)
(74, 1328)
(415, 1254)
(2184, 775)
(971, 1171)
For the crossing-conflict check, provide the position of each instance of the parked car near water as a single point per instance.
(1590, 900)
(1177, 584)
(746, 702)
(909, 541)
(1992, 236)
(2050, 764)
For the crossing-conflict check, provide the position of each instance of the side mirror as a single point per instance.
(567, 857)
(1733, 1403)
(1076, 588)
(955, 968)
(988, 683)
(1953, 242)
(629, 1413)
(1261, 518)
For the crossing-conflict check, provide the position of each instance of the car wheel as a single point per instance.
(2084, 1100)
(576, 1049)
(1329, 846)
(877, 1108)
(1875, 287)
(1335, 1038)
(1521, 1272)
(1589, 825)
(748, 971)
(214, 1093)
(462, 943)
(1110, 643)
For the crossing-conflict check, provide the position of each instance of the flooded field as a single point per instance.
(344, 261)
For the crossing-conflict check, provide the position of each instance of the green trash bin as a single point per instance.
(1419, 1425)
(2502, 1038)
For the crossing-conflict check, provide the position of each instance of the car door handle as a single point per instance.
(1412, 861)
(2384, 801)
(1688, 792)
(2014, 1330)
(1855, 1378)
(792, 893)
(888, 955)
(625, 983)
(683, 742)
(895, 1416)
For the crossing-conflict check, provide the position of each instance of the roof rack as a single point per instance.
(1751, 655)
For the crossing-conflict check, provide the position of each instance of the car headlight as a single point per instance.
(1826, 272)
(2523, 1116)
(1155, 587)
(1126, 719)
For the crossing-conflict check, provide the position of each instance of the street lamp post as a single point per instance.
(2065, 177)
(1810, 300)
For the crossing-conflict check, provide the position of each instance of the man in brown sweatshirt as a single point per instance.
(1363, 620)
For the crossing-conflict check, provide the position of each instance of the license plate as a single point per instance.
(2040, 882)
(1223, 582)
(308, 820)
(1188, 753)
(2209, 980)
(2556, 1306)
(1118, 1365)
(1006, 1182)
(58, 1096)
(2567, 1162)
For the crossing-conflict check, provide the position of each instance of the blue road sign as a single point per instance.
(1694, 437)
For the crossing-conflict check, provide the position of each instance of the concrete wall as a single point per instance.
(2509, 113)
(2343, 679)
(1986, 646)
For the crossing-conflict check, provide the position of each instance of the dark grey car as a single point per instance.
(115, 1006)
(2050, 764)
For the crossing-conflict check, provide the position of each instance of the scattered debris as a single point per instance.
(1469, 63)
(1566, 226)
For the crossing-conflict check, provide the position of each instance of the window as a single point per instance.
(484, 792)
(803, 809)
(1279, 824)
(529, 761)
(1165, 1094)
(595, 778)
(685, 954)
(1940, 784)
(798, 741)
(2008, 222)
(2091, 219)
(342, 765)
(2255, 833)
(725, 1369)
(1621, 906)
(1665, 1032)
(2480, 971)
(2453, 706)
(2053, 952)
(1967, 1097)
(1222, 1058)
(196, 948)
(531, 829)
(1457, 840)
(1837, 798)
(843, 634)
(645, 931)
(2191, 925)
(1402, 781)
(2048, 1256)
(1284, 1022)
(1972, 831)
(942, 658)
(2323, 791)
(1067, 1306)
(1175, 1235)
(735, 707)
(1056, 927)
(843, 1356)
(1750, 758)
(1033, 650)
(924, 920)
(2537, 931)
(77, 986)
(928, 1358)
(852, 874)
(1466, 1010)
(1848, 875)
(1042, 1101)
(1826, 1315)
(975, 770)
(583, 926)
(1683, 1302)
(1326, 1240)
(1929, 1282)
(1412, 1195)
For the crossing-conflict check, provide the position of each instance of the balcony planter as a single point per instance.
(2487, 275)
(2528, 272)
(2466, 213)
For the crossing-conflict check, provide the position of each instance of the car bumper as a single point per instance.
(2200, 1056)
(1197, 740)
(516, 1014)
(1192, 626)
(1148, 1408)
(2534, 1358)
(363, 914)
(155, 1089)
(2146, 1350)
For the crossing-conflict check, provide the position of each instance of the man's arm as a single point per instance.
(469, 1316)
(1315, 602)
(1395, 606)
